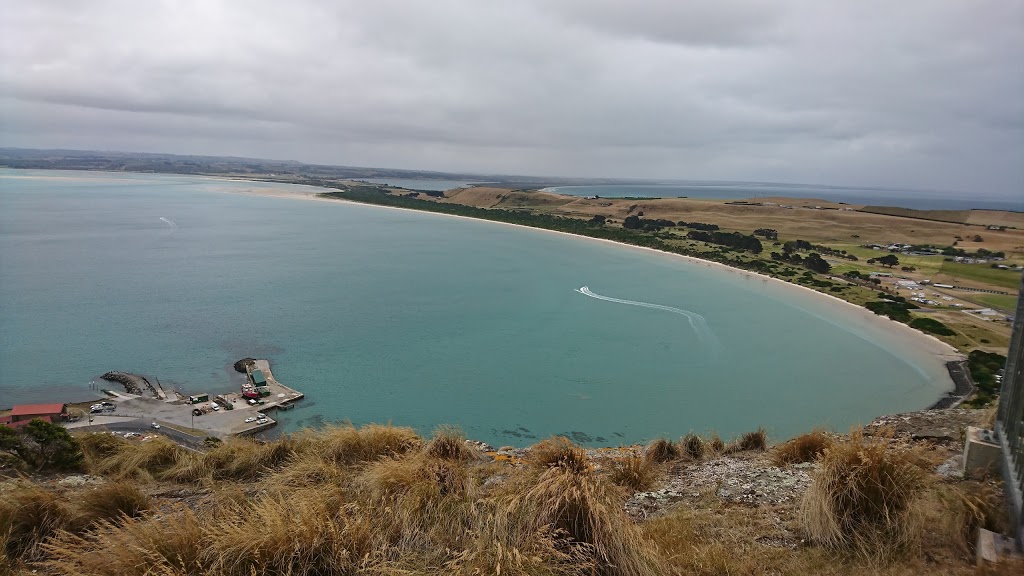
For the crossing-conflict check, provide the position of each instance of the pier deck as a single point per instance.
(220, 423)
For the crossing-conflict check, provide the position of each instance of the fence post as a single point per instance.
(1010, 422)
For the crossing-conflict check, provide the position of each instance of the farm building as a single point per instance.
(24, 413)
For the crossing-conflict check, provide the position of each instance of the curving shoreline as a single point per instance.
(927, 350)
(927, 347)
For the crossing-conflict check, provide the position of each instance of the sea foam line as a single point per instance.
(697, 322)
(171, 222)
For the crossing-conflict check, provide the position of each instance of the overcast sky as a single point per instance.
(912, 93)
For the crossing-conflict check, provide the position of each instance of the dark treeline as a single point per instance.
(593, 228)
(730, 239)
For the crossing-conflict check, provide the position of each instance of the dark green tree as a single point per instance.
(889, 260)
(50, 446)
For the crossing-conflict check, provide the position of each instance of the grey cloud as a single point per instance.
(918, 93)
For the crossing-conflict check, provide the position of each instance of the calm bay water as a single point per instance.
(382, 315)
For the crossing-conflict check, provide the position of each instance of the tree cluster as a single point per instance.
(889, 260)
(768, 233)
(730, 239)
(813, 261)
(39, 445)
(646, 224)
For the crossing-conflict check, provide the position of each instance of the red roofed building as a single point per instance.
(24, 413)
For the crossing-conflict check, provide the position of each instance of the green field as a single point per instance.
(997, 301)
(983, 273)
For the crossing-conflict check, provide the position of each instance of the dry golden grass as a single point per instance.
(756, 440)
(715, 445)
(693, 446)
(861, 495)
(590, 511)
(449, 443)
(662, 450)
(635, 472)
(804, 448)
(140, 461)
(382, 502)
(236, 458)
(140, 547)
(29, 515)
(559, 451)
(113, 501)
(346, 444)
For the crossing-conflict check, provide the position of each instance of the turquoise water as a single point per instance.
(384, 315)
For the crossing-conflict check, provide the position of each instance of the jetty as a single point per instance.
(220, 415)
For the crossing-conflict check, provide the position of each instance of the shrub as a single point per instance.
(634, 472)
(559, 452)
(693, 446)
(48, 446)
(860, 497)
(932, 326)
(662, 450)
(804, 448)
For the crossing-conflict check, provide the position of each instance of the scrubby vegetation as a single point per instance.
(932, 326)
(983, 367)
(382, 500)
(804, 448)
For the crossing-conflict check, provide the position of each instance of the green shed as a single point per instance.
(258, 379)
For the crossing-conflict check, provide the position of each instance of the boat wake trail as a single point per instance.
(697, 322)
(169, 222)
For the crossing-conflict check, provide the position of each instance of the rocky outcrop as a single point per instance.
(133, 383)
(244, 365)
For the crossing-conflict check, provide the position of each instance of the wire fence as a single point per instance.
(1010, 421)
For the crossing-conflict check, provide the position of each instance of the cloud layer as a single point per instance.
(916, 93)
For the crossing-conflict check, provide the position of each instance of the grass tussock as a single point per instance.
(662, 450)
(559, 452)
(751, 441)
(99, 446)
(29, 515)
(860, 497)
(589, 513)
(234, 459)
(345, 444)
(960, 511)
(693, 446)
(449, 443)
(714, 444)
(804, 448)
(140, 546)
(141, 461)
(635, 473)
(113, 501)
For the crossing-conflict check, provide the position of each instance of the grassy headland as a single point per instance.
(382, 500)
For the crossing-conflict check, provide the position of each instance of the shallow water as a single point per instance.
(383, 315)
